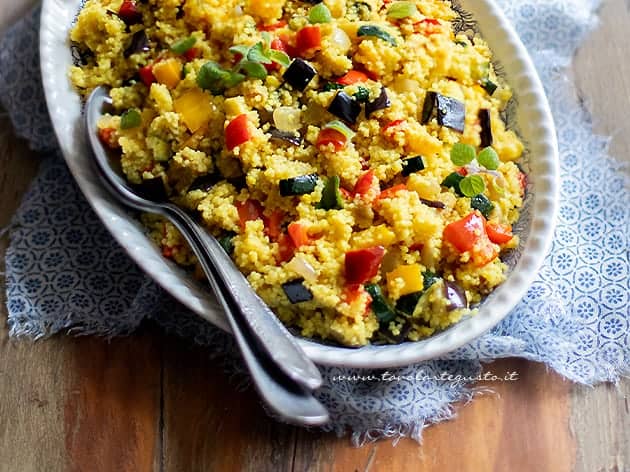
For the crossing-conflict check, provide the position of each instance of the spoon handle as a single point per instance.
(246, 311)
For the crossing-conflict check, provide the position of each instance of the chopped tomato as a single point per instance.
(428, 26)
(363, 264)
(107, 137)
(289, 48)
(462, 171)
(499, 233)
(353, 77)
(463, 234)
(249, 210)
(167, 251)
(273, 224)
(345, 193)
(365, 183)
(352, 292)
(129, 13)
(192, 53)
(272, 26)
(328, 136)
(299, 234)
(390, 192)
(390, 126)
(146, 75)
(308, 40)
(237, 132)
(286, 248)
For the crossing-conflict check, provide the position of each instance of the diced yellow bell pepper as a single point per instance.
(168, 72)
(194, 108)
(405, 279)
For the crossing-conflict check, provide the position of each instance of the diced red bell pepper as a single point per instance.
(484, 251)
(146, 75)
(286, 248)
(363, 264)
(428, 26)
(365, 183)
(390, 127)
(391, 191)
(237, 132)
(328, 136)
(463, 234)
(462, 171)
(106, 136)
(308, 40)
(129, 13)
(272, 26)
(192, 53)
(499, 233)
(353, 77)
(345, 193)
(273, 224)
(249, 210)
(299, 235)
(289, 47)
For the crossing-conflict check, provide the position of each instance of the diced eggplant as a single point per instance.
(300, 185)
(139, 43)
(296, 291)
(486, 128)
(205, 182)
(455, 296)
(433, 204)
(450, 113)
(299, 74)
(428, 107)
(411, 165)
(287, 136)
(345, 107)
(480, 202)
(152, 189)
(379, 103)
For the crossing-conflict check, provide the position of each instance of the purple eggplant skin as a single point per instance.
(486, 128)
(455, 296)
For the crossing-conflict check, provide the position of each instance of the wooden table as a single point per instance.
(152, 402)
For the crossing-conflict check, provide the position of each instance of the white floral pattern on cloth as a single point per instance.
(64, 272)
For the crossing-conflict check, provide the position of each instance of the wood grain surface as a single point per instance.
(151, 402)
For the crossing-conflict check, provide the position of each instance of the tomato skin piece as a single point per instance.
(499, 233)
(146, 75)
(390, 192)
(353, 77)
(390, 126)
(365, 183)
(273, 224)
(237, 132)
(249, 210)
(363, 264)
(328, 136)
(299, 234)
(191, 54)
(273, 26)
(308, 39)
(129, 13)
(464, 233)
(286, 248)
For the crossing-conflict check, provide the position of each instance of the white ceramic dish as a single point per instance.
(531, 112)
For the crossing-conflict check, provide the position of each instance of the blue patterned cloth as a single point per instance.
(64, 272)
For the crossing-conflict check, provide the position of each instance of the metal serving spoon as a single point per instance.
(282, 373)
